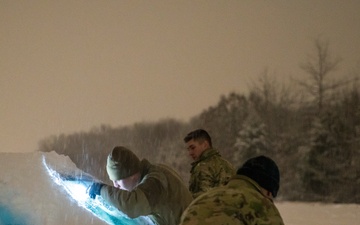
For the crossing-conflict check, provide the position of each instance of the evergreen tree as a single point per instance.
(328, 159)
(252, 139)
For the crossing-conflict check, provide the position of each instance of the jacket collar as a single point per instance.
(244, 181)
(205, 155)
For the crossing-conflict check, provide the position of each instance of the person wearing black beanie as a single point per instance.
(263, 171)
(246, 199)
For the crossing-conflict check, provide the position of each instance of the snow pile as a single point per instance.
(31, 195)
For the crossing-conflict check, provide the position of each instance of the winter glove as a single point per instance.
(94, 190)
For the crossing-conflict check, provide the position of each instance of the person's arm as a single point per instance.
(201, 180)
(132, 203)
(138, 202)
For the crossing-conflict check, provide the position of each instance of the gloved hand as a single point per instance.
(94, 190)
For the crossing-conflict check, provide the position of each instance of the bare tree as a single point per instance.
(273, 92)
(319, 66)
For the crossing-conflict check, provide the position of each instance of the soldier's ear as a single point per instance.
(206, 144)
(267, 193)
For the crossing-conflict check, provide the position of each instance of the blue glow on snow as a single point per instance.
(76, 190)
(77, 187)
(8, 217)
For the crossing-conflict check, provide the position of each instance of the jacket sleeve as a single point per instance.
(132, 203)
(206, 176)
(201, 180)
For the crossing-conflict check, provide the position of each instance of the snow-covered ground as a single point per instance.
(300, 213)
(30, 196)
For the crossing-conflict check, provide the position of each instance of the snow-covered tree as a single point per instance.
(252, 139)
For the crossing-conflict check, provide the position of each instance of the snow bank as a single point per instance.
(29, 196)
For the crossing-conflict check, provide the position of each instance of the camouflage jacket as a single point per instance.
(161, 194)
(210, 171)
(240, 202)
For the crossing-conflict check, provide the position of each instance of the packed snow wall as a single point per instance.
(31, 193)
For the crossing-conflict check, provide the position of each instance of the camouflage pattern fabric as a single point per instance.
(240, 202)
(210, 171)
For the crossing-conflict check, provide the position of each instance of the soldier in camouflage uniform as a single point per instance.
(143, 189)
(246, 200)
(209, 169)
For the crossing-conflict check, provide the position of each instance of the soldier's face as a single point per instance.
(128, 183)
(196, 148)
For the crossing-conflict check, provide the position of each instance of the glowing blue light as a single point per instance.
(77, 189)
(10, 216)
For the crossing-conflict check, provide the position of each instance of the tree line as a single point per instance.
(310, 127)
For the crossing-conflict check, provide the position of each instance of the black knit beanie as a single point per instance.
(263, 171)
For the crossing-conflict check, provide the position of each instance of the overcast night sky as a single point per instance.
(67, 66)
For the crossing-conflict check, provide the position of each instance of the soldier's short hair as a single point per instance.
(199, 134)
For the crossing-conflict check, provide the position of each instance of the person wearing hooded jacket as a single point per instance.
(143, 189)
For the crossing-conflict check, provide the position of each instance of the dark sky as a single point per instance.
(67, 66)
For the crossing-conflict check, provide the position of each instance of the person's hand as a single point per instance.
(94, 190)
